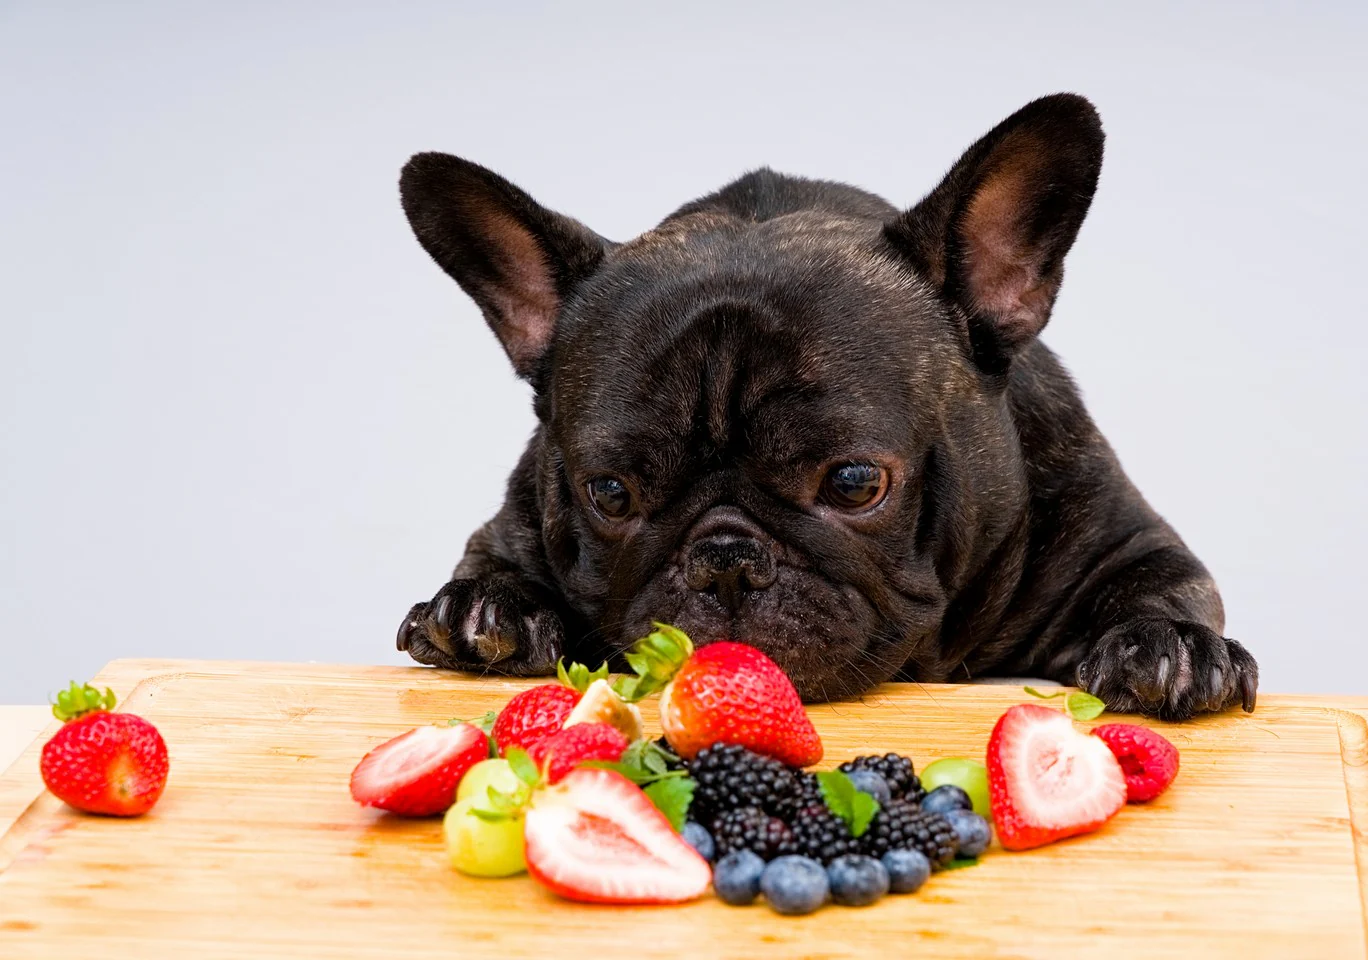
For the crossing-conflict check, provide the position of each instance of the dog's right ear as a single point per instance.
(516, 259)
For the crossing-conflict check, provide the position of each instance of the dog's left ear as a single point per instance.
(518, 260)
(993, 235)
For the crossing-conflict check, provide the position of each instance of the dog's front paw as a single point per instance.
(495, 623)
(1168, 668)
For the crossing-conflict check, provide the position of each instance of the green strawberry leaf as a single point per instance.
(655, 659)
(1044, 696)
(523, 766)
(578, 676)
(79, 699)
(961, 864)
(486, 724)
(843, 799)
(1084, 706)
(672, 798)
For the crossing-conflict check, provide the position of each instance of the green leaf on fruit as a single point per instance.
(501, 806)
(491, 816)
(846, 801)
(1044, 696)
(578, 676)
(958, 864)
(672, 798)
(655, 659)
(523, 766)
(1084, 706)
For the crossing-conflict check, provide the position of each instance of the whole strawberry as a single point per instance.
(103, 762)
(536, 714)
(722, 693)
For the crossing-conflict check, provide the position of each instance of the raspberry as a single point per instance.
(1148, 761)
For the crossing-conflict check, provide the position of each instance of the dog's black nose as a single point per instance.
(730, 565)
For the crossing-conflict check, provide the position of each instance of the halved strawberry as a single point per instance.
(416, 774)
(1047, 780)
(1148, 760)
(568, 748)
(596, 837)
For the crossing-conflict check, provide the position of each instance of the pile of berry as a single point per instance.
(775, 829)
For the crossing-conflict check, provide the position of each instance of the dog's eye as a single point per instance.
(854, 486)
(610, 497)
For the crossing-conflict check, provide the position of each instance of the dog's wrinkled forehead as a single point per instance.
(785, 337)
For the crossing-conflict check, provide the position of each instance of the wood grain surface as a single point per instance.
(257, 850)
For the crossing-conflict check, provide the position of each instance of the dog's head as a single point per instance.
(779, 417)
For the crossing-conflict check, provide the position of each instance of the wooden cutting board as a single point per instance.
(256, 850)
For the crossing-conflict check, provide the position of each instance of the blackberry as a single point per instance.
(820, 834)
(750, 828)
(903, 825)
(805, 794)
(897, 772)
(730, 777)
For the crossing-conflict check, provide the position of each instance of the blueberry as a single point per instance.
(872, 784)
(907, 870)
(857, 880)
(697, 836)
(794, 885)
(945, 798)
(736, 878)
(971, 831)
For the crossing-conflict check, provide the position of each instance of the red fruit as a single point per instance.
(416, 774)
(1148, 761)
(533, 715)
(102, 762)
(596, 837)
(1048, 781)
(576, 744)
(733, 693)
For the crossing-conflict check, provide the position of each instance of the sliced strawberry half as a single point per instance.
(416, 774)
(596, 837)
(1047, 780)
(1148, 760)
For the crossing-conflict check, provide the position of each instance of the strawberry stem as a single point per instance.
(655, 658)
(77, 700)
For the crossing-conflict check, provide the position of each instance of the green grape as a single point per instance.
(969, 775)
(480, 847)
(485, 774)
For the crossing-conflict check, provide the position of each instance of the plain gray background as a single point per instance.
(244, 416)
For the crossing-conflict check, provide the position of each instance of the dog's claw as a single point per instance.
(1249, 689)
(1180, 668)
(481, 623)
(439, 612)
(411, 622)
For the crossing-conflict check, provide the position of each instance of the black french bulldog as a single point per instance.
(796, 416)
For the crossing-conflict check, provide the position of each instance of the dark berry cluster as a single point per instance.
(750, 828)
(903, 825)
(897, 772)
(820, 834)
(753, 802)
(730, 777)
